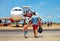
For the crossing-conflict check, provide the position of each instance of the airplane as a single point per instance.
(18, 14)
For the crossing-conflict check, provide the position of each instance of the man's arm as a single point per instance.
(39, 21)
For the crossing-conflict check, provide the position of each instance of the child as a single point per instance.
(25, 29)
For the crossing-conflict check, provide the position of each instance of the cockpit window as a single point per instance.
(17, 10)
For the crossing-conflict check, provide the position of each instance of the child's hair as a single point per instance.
(30, 22)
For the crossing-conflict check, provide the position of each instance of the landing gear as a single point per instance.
(17, 24)
(5, 23)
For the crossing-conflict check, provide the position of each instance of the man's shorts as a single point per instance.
(35, 27)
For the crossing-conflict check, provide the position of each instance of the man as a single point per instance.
(34, 20)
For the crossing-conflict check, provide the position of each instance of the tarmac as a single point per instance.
(44, 27)
(20, 38)
(51, 33)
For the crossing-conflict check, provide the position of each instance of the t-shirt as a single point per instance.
(34, 19)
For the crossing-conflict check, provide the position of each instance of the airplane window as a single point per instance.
(19, 9)
(15, 10)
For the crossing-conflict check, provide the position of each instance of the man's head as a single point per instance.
(34, 13)
(0, 21)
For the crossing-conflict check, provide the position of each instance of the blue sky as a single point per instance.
(44, 8)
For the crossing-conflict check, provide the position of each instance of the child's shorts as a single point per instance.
(25, 32)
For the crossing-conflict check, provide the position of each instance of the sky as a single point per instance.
(48, 10)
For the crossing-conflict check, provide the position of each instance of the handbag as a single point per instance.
(40, 30)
